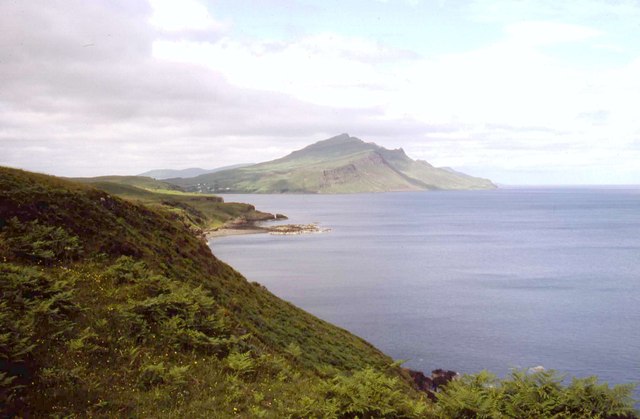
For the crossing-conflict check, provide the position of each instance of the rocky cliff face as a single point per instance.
(339, 175)
(352, 172)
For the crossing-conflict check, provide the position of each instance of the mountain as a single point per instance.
(342, 164)
(185, 173)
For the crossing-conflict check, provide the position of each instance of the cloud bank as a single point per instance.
(90, 88)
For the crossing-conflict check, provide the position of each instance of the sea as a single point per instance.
(505, 279)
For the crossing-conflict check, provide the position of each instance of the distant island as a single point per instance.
(342, 164)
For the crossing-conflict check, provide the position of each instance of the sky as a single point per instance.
(524, 92)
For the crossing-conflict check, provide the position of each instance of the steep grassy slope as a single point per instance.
(113, 308)
(342, 164)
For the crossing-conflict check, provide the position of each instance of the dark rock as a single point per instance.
(422, 382)
(434, 383)
(441, 377)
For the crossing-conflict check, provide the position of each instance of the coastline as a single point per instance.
(226, 231)
(237, 228)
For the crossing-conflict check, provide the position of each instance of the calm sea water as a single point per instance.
(512, 278)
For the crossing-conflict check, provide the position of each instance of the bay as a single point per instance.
(469, 280)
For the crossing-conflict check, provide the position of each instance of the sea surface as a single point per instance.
(511, 278)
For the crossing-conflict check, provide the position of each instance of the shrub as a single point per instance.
(35, 308)
(126, 270)
(537, 395)
(151, 375)
(240, 363)
(294, 350)
(40, 243)
(169, 313)
(181, 337)
(364, 394)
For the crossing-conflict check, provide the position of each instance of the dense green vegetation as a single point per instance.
(115, 309)
(537, 395)
(342, 164)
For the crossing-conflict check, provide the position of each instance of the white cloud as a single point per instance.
(324, 69)
(183, 15)
(574, 10)
(546, 33)
(509, 81)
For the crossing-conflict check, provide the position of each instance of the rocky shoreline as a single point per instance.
(294, 229)
(242, 225)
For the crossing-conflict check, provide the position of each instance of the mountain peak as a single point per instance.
(344, 135)
(331, 148)
(338, 139)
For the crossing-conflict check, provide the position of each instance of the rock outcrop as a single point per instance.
(434, 383)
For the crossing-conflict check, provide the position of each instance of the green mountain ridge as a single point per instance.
(342, 164)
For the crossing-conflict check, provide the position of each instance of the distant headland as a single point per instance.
(341, 164)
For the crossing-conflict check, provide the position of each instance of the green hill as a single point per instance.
(341, 164)
(111, 308)
(114, 308)
(201, 212)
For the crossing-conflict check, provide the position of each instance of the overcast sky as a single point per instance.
(522, 92)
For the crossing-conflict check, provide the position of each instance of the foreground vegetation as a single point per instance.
(113, 308)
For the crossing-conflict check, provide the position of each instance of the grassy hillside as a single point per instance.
(114, 308)
(342, 164)
(142, 182)
(111, 308)
(200, 212)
